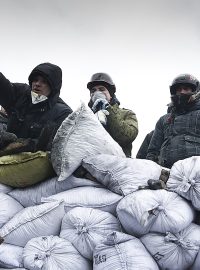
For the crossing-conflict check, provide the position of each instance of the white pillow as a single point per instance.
(80, 135)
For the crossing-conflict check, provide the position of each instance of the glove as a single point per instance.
(101, 116)
(6, 138)
(99, 102)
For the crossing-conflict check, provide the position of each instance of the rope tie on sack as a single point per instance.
(179, 241)
(186, 184)
(40, 258)
(149, 216)
(82, 228)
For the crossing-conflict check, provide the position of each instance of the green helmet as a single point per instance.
(102, 79)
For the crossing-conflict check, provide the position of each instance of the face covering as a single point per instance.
(181, 101)
(37, 98)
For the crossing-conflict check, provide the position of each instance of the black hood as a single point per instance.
(52, 73)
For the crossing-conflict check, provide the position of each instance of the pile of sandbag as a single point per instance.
(112, 220)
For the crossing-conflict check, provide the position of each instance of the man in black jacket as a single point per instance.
(34, 111)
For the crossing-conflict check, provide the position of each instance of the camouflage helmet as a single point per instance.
(102, 79)
(186, 79)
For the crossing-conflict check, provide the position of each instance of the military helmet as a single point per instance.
(186, 79)
(102, 79)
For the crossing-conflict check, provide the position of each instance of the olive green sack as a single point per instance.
(25, 169)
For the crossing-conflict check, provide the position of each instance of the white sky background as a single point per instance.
(142, 44)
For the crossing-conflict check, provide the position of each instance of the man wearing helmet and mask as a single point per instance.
(120, 123)
(177, 133)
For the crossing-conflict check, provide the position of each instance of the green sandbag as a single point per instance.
(25, 169)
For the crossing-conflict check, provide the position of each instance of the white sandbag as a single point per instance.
(98, 198)
(8, 208)
(80, 135)
(5, 188)
(154, 211)
(87, 227)
(196, 265)
(174, 251)
(32, 195)
(120, 174)
(184, 179)
(33, 221)
(121, 251)
(53, 252)
(10, 256)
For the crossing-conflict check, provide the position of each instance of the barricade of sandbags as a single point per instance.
(53, 252)
(121, 251)
(184, 179)
(174, 251)
(97, 198)
(154, 211)
(87, 227)
(33, 221)
(32, 195)
(80, 135)
(121, 175)
(8, 208)
(11, 256)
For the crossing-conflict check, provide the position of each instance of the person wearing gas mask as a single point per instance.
(177, 133)
(120, 123)
(34, 111)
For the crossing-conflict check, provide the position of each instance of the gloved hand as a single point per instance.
(99, 102)
(101, 115)
(6, 138)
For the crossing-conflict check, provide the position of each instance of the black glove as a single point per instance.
(6, 138)
(18, 146)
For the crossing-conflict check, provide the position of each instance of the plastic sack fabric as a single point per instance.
(120, 251)
(98, 198)
(53, 253)
(5, 189)
(10, 256)
(122, 175)
(33, 221)
(154, 211)
(25, 169)
(196, 264)
(32, 195)
(184, 179)
(87, 227)
(79, 136)
(8, 208)
(174, 251)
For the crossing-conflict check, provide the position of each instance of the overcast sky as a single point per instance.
(142, 44)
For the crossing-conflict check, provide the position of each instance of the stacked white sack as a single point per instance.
(154, 211)
(80, 135)
(10, 256)
(121, 175)
(97, 198)
(4, 188)
(32, 195)
(121, 251)
(33, 221)
(184, 179)
(87, 227)
(174, 251)
(53, 252)
(196, 264)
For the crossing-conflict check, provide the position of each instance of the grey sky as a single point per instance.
(142, 44)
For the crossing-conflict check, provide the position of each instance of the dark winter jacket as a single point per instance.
(142, 152)
(25, 119)
(176, 137)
